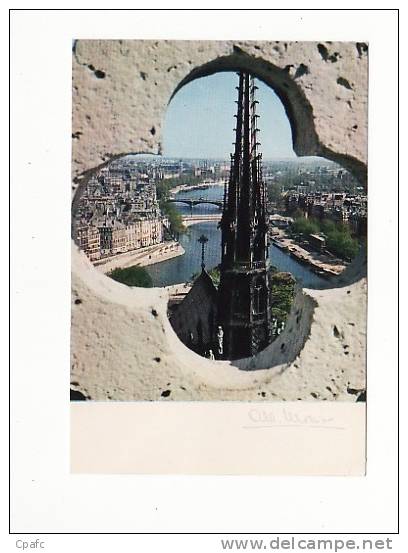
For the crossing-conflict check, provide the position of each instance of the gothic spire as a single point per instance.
(244, 293)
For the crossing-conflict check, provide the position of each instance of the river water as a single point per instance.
(182, 268)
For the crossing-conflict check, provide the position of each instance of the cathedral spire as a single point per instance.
(244, 293)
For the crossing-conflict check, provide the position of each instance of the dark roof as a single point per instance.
(206, 281)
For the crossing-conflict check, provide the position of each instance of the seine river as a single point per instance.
(182, 268)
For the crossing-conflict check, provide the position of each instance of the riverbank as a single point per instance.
(189, 220)
(142, 257)
(190, 187)
(322, 264)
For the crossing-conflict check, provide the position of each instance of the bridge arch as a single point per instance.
(194, 202)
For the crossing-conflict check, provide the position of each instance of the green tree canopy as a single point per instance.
(132, 276)
(338, 236)
(304, 226)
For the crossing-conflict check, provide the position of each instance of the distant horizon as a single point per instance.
(296, 159)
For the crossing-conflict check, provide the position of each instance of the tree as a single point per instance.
(274, 192)
(176, 220)
(174, 217)
(342, 244)
(304, 226)
(283, 291)
(327, 226)
(132, 276)
(338, 237)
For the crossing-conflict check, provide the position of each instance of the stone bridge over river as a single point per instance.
(193, 202)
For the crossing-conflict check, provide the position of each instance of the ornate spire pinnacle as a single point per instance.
(244, 293)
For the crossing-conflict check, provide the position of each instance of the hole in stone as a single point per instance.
(362, 396)
(336, 332)
(326, 55)
(301, 70)
(323, 51)
(238, 50)
(344, 82)
(76, 395)
(186, 188)
(362, 48)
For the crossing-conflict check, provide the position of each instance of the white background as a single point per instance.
(46, 498)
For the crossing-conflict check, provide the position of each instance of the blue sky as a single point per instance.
(200, 120)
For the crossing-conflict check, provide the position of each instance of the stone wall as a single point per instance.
(123, 346)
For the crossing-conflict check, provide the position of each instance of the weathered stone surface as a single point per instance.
(121, 90)
(120, 93)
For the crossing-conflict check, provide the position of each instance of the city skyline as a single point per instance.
(200, 119)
